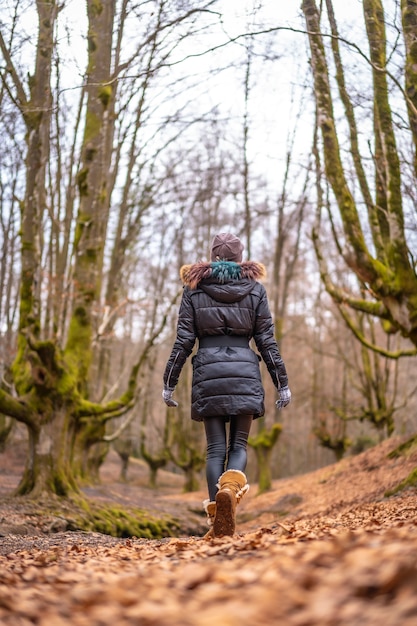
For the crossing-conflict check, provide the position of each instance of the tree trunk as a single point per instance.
(191, 480)
(154, 461)
(48, 465)
(263, 445)
(53, 381)
(389, 276)
(409, 22)
(89, 434)
(92, 186)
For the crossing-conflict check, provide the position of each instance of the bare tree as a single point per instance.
(52, 371)
(385, 266)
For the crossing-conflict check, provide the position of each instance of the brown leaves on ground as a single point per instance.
(321, 549)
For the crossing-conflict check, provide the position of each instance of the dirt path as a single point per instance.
(323, 549)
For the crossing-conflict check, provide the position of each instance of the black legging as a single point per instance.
(216, 447)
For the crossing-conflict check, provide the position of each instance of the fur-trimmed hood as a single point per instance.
(221, 272)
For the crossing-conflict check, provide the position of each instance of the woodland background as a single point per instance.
(134, 131)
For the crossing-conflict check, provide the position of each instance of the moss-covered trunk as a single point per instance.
(154, 461)
(48, 467)
(51, 382)
(89, 433)
(409, 23)
(90, 235)
(6, 427)
(40, 377)
(92, 181)
(191, 478)
(263, 444)
(389, 276)
(263, 459)
(52, 373)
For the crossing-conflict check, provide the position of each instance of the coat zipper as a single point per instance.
(172, 367)
(276, 370)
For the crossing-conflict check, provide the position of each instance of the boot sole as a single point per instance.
(224, 522)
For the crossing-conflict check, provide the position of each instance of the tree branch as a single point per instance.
(121, 429)
(10, 68)
(116, 408)
(15, 408)
(359, 335)
(340, 296)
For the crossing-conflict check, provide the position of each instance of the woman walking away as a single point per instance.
(224, 307)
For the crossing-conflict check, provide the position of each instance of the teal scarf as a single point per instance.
(225, 270)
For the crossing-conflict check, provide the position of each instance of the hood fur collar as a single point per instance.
(192, 275)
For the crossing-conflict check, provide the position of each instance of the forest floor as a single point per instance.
(327, 548)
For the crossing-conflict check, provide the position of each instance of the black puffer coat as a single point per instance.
(223, 300)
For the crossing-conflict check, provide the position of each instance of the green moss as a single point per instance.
(77, 351)
(263, 444)
(410, 481)
(362, 443)
(338, 445)
(82, 186)
(96, 8)
(27, 246)
(32, 119)
(121, 522)
(404, 449)
(105, 94)
(21, 370)
(92, 127)
(389, 327)
(66, 385)
(103, 194)
(266, 438)
(60, 484)
(91, 516)
(83, 219)
(91, 40)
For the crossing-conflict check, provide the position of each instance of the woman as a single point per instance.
(224, 307)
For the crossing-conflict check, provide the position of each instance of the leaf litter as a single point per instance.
(341, 554)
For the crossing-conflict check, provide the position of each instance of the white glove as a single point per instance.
(167, 396)
(284, 398)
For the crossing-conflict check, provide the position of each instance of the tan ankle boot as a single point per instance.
(232, 487)
(210, 509)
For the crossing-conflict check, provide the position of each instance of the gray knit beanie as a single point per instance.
(226, 247)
